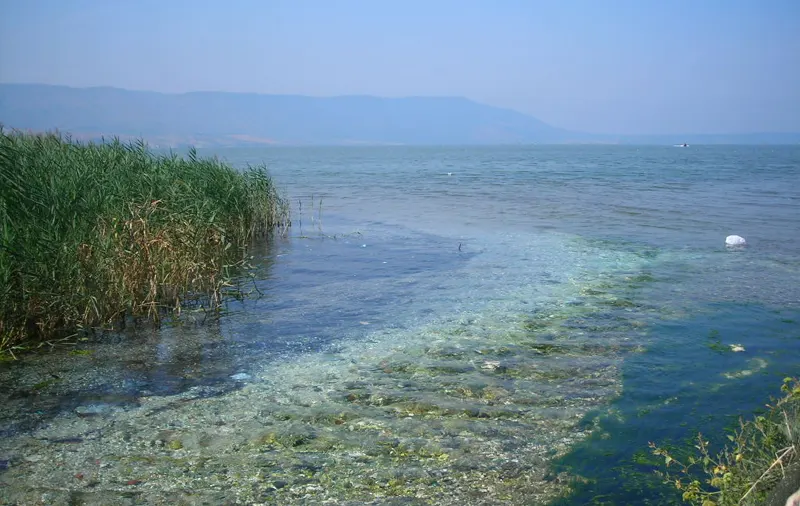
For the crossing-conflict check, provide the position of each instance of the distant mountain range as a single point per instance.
(230, 119)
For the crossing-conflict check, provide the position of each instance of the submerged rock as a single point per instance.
(490, 364)
(94, 409)
(735, 240)
(242, 376)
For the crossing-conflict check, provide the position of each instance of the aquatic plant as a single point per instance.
(762, 452)
(93, 233)
(469, 409)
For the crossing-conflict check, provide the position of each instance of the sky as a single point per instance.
(600, 66)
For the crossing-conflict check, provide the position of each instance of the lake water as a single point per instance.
(495, 325)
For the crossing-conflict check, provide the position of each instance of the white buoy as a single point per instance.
(735, 240)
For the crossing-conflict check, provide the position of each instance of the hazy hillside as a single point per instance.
(216, 118)
(229, 118)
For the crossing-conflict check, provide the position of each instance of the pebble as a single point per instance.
(490, 365)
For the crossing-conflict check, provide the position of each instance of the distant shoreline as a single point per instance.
(221, 119)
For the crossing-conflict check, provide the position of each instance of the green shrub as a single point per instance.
(747, 471)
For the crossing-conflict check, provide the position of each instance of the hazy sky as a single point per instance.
(615, 66)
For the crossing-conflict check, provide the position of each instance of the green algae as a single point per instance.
(81, 353)
(644, 277)
(547, 348)
(44, 384)
(618, 302)
(175, 444)
(467, 413)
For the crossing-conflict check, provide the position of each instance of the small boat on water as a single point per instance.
(684, 145)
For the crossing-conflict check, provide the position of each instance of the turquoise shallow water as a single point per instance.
(443, 325)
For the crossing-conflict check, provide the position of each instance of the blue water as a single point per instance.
(535, 313)
(676, 205)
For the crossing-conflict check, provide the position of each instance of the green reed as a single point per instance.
(93, 233)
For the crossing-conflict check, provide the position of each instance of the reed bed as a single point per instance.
(91, 234)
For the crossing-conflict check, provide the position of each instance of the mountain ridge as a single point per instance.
(216, 118)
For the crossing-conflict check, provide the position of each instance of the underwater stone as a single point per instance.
(735, 240)
(491, 365)
(202, 392)
(242, 376)
(93, 409)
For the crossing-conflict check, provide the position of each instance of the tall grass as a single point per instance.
(92, 233)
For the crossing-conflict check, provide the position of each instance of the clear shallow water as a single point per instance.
(457, 325)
